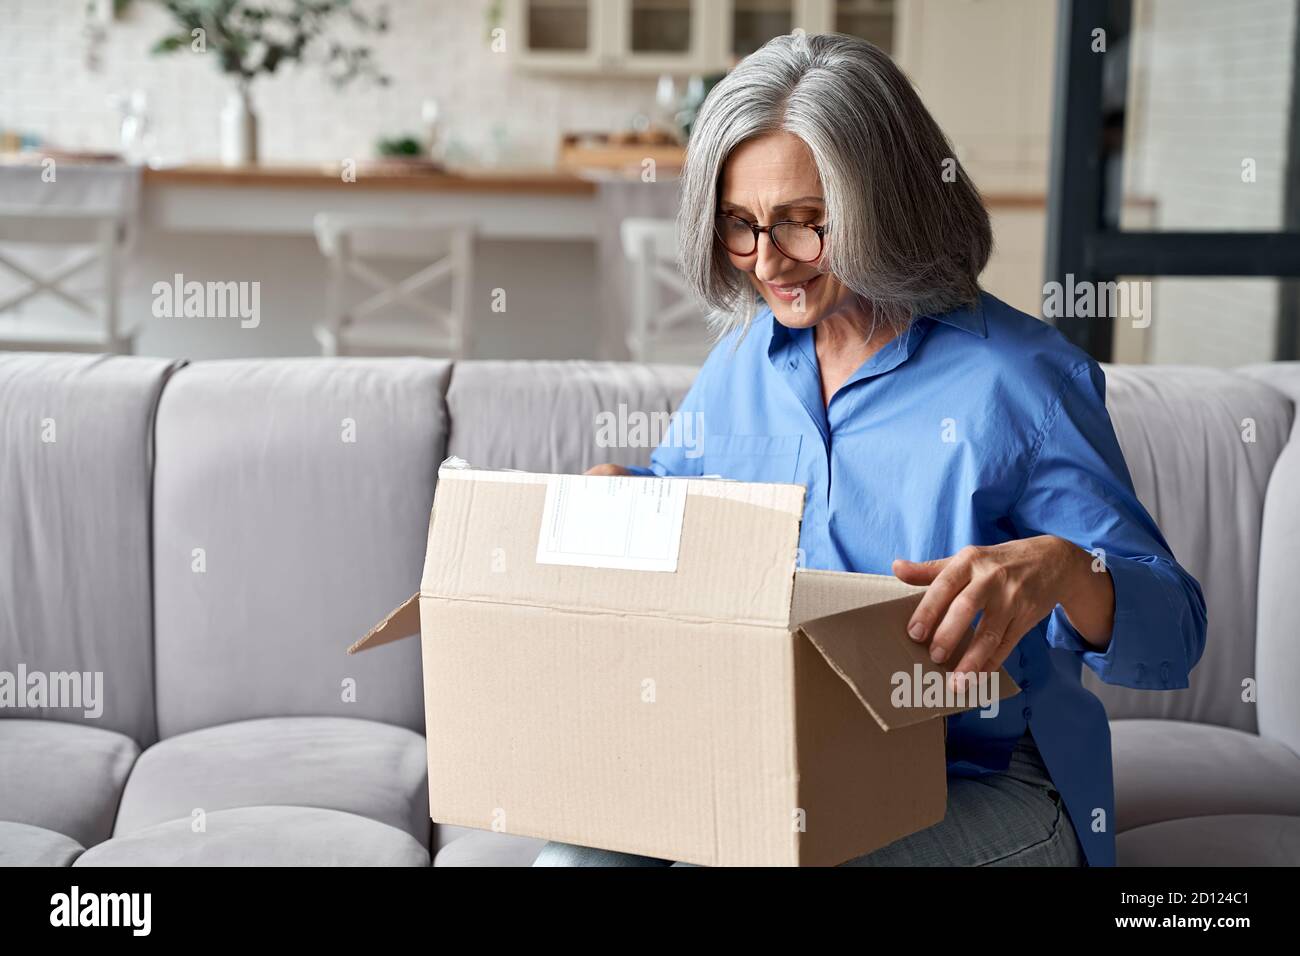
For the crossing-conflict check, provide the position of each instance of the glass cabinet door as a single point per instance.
(670, 36)
(754, 22)
(872, 20)
(558, 26)
(660, 26)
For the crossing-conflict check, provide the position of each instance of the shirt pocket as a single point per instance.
(771, 458)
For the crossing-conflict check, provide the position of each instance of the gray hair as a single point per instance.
(903, 235)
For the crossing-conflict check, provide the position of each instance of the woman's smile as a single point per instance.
(791, 291)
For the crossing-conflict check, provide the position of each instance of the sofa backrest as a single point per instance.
(553, 416)
(1277, 652)
(291, 506)
(290, 501)
(76, 459)
(1201, 445)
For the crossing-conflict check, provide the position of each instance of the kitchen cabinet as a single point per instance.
(558, 35)
(652, 37)
(869, 19)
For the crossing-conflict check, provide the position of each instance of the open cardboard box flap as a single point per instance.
(867, 646)
(403, 621)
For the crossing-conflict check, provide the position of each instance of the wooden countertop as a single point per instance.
(391, 178)
(369, 176)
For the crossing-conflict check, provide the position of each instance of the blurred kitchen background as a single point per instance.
(495, 178)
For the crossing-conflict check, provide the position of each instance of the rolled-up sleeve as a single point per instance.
(1078, 488)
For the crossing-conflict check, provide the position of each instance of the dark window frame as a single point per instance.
(1080, 242)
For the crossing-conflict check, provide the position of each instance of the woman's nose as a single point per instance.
(770, 263)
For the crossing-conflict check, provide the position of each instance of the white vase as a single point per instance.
(238, 129)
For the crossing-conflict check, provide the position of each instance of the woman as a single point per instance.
(942, 436)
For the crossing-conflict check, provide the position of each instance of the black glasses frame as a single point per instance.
(756, 230)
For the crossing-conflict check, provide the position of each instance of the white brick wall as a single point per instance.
(1209, 87)
(434, 48)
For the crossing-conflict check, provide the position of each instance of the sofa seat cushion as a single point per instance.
(1168, 770)
(22, 844)
(264, 836)
(63, 776)
(337, 763)
(444, 833)
(1229, 840)
(484, 848)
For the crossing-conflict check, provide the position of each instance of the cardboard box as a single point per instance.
(635, 664)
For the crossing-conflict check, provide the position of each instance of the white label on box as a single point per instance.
(631, 523)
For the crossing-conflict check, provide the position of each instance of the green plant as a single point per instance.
(253, 38)
(399, 146)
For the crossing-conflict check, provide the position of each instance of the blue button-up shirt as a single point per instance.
(975, 427)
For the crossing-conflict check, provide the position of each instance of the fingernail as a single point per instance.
(917, 631)
(937, 654)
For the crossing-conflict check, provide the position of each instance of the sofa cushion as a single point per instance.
(1168, 770)
(364, 767)
(1277, 652)
(24, 845)
(543, 416)
(76, 441)
(1200, 445)
(444, 833)
(63, 777)
(1230, 840)
(484, 848)
(264, 836)
(291, 507)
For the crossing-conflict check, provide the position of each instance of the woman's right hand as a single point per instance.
(608, 471)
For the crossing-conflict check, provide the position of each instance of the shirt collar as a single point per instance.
(969, 318)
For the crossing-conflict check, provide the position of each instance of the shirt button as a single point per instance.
(1164, 672)
(1142, 673)
(1024, 685)
(792, 364)
(1027, 713)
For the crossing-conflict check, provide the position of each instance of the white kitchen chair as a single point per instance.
(665, 323)
(97, 239)
(401, 317)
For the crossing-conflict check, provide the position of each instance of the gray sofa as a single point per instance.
(206, 539)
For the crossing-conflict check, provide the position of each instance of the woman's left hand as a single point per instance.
(1012, 586)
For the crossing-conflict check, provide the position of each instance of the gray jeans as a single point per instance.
(1014, 818)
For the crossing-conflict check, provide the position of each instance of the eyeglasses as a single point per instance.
(799, 241)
